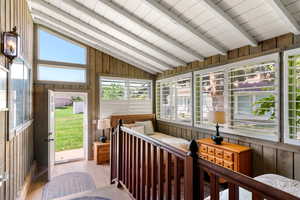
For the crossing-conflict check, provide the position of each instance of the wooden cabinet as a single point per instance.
(101, 152)
(230, 156)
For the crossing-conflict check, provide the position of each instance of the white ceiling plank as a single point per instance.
(163, 65)
(281, 10)
(111, 24)
(230, 21)
(172, 16)
(95, 40)
(150, 28)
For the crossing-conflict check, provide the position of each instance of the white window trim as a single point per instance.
(287, 53)
(263, 59)
(177, 78)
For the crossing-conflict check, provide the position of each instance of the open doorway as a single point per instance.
(70, 123)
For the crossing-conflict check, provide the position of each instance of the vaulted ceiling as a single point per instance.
(157, 35)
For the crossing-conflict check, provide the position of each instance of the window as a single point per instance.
(63, 74)
(125, 96)
(245, 93)
(174, 99)
(20, 94)
(56, 48)
(60, 59)
(292, 96)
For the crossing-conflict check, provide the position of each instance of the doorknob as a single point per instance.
(3, 178)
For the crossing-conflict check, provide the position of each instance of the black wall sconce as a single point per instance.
(11, 44)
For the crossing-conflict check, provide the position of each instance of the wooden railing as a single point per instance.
(151, 169)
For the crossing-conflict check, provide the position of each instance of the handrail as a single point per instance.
(167, 147)
(245, 182)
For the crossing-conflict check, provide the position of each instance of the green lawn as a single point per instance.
(68, 129)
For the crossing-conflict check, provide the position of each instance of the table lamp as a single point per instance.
(103, 124)
(217, 117)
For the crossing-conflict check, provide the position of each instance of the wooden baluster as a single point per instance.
(123, 156)
(256, 196)
(177, 184)
(201, 184)
(138, 168)
(127, 160)
(119, 153)
(233, 191)
(112, 155)
(143, 170)
(154, 173)
(148, 172)
(168, 177)
(191, 177)
(160, 174)
(130, 164)
(214, 187)
(133, 175)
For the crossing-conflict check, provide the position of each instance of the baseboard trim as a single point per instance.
(28, 180)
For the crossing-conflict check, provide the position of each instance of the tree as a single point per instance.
(113, 92)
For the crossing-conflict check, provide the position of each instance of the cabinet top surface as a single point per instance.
(225, 145)
(101, 143)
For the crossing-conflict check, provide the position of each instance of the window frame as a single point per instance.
(274, 57)
(127, 96)
(58, 64)
(176, 79)
(286, 133)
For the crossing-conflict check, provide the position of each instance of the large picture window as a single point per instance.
(292, 96)
(60, 59)
(174, 99)
(125, 96)
(242, 96)
(19, 94)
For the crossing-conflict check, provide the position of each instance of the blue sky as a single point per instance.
(53, 48)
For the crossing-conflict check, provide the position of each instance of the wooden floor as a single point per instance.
(100, 174)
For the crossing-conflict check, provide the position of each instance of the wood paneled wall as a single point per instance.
(246, 52)
(99, 64)
(18, 152)
(268, 157)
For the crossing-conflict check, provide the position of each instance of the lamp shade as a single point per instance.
(217, 117)
(103, 124)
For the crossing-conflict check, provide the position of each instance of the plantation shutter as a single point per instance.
(209, 96)
(253, 98)
(124, 96)
(292, 96)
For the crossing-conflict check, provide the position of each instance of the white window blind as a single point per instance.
(252, 97)
(243, 96)
(125, 96)
(209, 96)
(292, 96)
(174, 99)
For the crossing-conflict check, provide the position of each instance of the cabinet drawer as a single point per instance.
(219, 161)
(228, 156)
(203, 156)
(211, 150)
(203, 148)
(219, 153)
(228, 165)
(211, 158)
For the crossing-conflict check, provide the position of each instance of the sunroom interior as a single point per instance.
(157, 99)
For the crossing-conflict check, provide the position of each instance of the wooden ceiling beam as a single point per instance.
(159, 63)
(283, 13)
(150, 28)
(69, 30)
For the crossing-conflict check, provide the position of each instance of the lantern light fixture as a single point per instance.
(10, 44)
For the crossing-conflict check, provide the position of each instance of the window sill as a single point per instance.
(261, 136)
(176, 122)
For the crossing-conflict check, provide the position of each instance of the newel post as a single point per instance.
(119, 152)
(191, 174)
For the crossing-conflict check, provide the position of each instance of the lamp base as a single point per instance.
(217, 139)
(102, 139)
